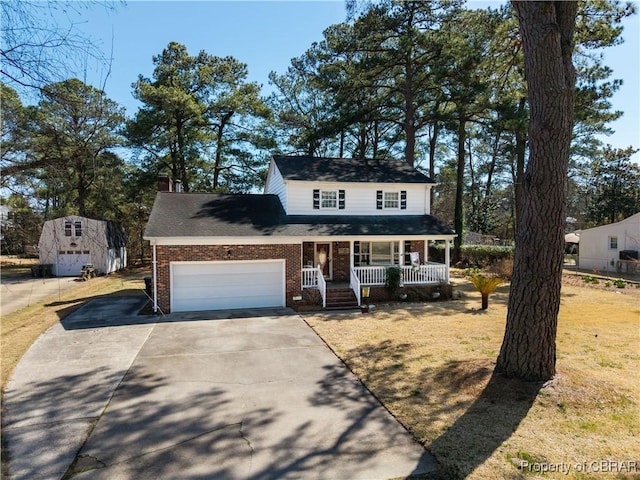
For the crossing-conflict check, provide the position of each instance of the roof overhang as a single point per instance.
(288, 240)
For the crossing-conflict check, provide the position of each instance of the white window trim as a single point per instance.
(610, 242)
(394, 253)
(336, 199)
(384, 199)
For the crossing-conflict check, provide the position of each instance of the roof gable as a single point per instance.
(321, 169)
(114, 233)
(633, 219)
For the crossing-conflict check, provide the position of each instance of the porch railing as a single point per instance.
(371, 275)
(309, 277)
(312, 277)
(354, 283)
(322, 286)
(430, 273)
(424, 274)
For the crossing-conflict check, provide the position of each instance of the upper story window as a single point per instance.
(391, 200)
(328, 199)
(73, 229)
(613, 243)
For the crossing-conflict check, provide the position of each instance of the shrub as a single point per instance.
(486, 286)
(478, 256)
(394, 277)
(620, 283)
(502, 268)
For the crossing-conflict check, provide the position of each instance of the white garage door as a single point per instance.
(226, 285)
(70, 262)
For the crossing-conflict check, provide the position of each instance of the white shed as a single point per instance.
(69, 243)
(600, 247)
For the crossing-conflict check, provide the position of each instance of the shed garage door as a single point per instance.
(226, 285)
(70, 263)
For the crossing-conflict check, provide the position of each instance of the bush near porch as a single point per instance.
(414, 293)
(474, 256)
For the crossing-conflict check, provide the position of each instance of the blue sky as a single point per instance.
(266, 35)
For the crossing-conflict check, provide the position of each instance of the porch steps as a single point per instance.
(341, 299)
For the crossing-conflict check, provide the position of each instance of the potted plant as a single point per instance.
(364, 308)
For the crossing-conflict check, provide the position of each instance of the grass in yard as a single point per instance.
(16, 267)
(21, 328)
(431, 366)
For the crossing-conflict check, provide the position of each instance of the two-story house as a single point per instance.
(320, 222)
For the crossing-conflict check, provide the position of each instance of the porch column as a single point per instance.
(426, 250)
(401, 253)
(447, 256)
(351, 261)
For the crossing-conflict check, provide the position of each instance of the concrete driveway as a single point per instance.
(19, 292)
(229, 395)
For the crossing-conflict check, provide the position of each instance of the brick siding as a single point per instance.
(418, 246)
(341, 261)
(291, 253)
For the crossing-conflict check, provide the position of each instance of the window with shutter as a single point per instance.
(391, 200)
(379, 197)
(407, 252)
(328, 199)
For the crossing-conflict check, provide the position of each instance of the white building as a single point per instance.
(69, 243)
(600, 247)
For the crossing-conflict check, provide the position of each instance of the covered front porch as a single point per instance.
(366, 262)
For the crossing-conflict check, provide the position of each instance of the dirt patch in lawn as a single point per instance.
(431, 365)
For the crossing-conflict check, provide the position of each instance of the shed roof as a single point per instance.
(114, 231)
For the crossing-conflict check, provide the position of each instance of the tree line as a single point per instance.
(437, 84)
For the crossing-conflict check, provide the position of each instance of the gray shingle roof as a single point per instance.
(116, 237)
(348, 170)
(216, 215)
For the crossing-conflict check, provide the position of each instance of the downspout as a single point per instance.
(155, 279)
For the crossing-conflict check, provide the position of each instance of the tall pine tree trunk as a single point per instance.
(458, 214)
(528, 350)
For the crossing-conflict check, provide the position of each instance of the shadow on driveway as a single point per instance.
(261, 397)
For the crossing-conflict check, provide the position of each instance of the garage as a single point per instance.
(227, 285)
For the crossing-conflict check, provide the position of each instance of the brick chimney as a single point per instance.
(164, 183)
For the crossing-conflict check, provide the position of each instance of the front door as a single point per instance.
(323, 258)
